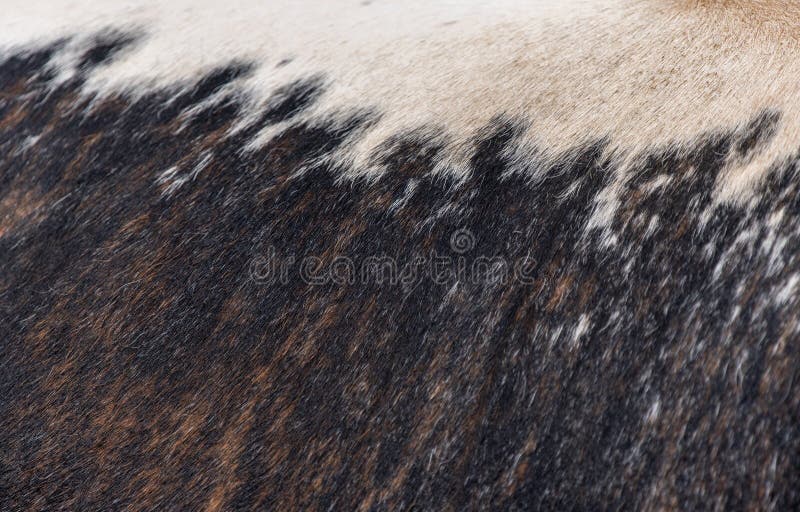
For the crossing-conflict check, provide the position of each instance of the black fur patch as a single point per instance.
(149, 362)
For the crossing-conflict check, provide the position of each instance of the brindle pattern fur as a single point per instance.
(143, 368)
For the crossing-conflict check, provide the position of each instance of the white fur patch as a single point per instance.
(641, 74)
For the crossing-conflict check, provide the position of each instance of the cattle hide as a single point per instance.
(399, 255)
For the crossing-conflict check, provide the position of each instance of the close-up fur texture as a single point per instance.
(400, 255)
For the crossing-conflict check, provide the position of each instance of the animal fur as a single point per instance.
(636, 158)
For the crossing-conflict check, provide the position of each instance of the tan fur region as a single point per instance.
(641, 74)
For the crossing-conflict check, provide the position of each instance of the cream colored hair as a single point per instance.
(642, 74)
